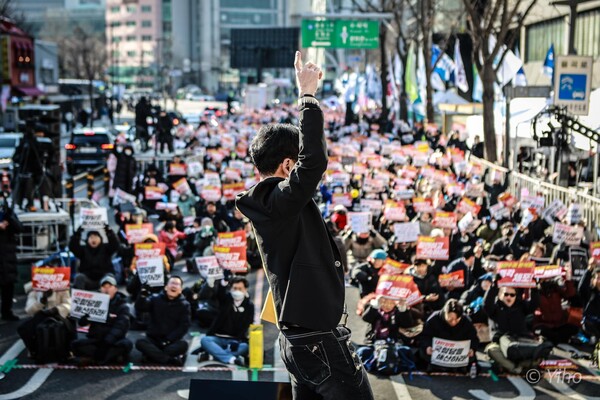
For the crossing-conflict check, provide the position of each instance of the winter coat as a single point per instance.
(117, 323)
(95, 263)
(61, 300)
(436, 326)
(510, 320)
(8, 247)
(232, 321)
(125, 172)
(169, 319)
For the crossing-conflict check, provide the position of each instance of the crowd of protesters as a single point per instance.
(428, 234)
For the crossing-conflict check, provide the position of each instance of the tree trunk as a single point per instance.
(384, 80)
(91, 93)
(428, 89)
(488, 77)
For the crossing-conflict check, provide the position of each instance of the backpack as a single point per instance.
(52, 341)
(390, 359)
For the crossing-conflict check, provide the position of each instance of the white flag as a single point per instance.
(460, 76)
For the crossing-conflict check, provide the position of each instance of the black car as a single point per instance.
(88, 149)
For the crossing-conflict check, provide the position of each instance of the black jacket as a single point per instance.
(510, 320)
(303, 264)
(436, 326)
(395, 320)
(8, 248)
(367, 276)
(231, 321)
(590, 295)
(117, 323)
(169, 319)
(95, 263)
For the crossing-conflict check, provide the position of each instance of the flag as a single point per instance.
(460, 75)
(410, 77)
(510, 63)
(398, 70)
(477, 86)
(520, 79)
(445, 66)
(548, 69)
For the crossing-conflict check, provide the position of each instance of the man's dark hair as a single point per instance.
(177, 277)
(453, 306)
(272, 144)
(238, 279)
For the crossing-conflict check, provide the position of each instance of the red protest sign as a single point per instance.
(421, 204)
(516, 274)
(454, 279)
(177, 169)
(443, 219)
(395, 212)
(231, 239)
(547, 271)
(595, 251)
(437, 248)
(146, 250)
(231, 258)
(507, 199)
(400, 287)
(50, 278)
(466, 206)
(153, 193)
(136, 232)
(230, 190)
(393, 267)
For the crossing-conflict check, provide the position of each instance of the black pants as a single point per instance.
(323, 365)
(159, 354)
(8, 292)
(101, 352)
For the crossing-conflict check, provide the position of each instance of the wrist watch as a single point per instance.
(307, 99)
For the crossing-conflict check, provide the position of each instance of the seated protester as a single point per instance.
(204, 237)
(550, 318)
(489, 231)
(169, 323)
(451, 324)
(402, 252)
(216, 214)
(361, 245)
(466, 264)
(428, 286)
(503, 247)
(513, 347)
(203, 301)
(106, 342)
(589, 289)
(134, 284)
(185, 203)
(425, 223)
(147, 203)
(227, 338)
(236, 220)
(472, 299)
(41, 306)
(339, 217)
(367, 274)
(391, 320)
(170, 236)
(95, 257)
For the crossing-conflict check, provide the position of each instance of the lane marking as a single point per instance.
(31, 386)
(13, 352)
(400, 388)
(525, 391)
(238, 375)
(567, 391)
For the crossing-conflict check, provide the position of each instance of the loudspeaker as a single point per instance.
(209, 389)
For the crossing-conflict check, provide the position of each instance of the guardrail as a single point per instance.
(590, 205)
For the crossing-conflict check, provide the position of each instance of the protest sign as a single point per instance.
(407, 232)
(165, 206)
(393, 267)
(399, 287)
(195, 169)
(437, 248)
(231, 239)
(569, 235)
(595, 251)
(374, 206)
(182, 186)
(395, 212)
(211, 193)
(94, 219)
(209, 268)
(499, 212)
(151, 271)
(516, 274)
(455, 189)
(423, 205)
(360, 222)
(344, 199)
(153, 193)
(404, 194)
(231, 258)
(92, 304)
(230, 190)
(450, 353)
(454, 279)
(536, 202)
(443, 219)
(467, 205)
(136, 232)
(148, 250)
(578, 258)
(574, 214)
(371, 185)
(507, 199)
(50, 278)
(474, 189)
(122, 197)
(547, 271)
(177, 169)
(555, 209)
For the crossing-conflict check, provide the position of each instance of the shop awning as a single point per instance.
(29, 91)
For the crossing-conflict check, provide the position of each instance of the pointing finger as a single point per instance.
(298, 61)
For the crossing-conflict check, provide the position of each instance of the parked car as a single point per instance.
(8, 144)
(88, 148)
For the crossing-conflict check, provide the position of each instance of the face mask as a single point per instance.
(360, 240)
(493, 225)
(402, 307)
(128, 152)
(183, 198)
(237, 295)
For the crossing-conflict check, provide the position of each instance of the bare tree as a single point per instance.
(8, 10)
(502, 20)
(83, 56)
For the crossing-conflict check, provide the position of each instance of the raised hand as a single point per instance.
(307, 76)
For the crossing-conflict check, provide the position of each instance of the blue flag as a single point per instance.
(549, 63)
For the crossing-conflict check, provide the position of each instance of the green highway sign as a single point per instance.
(340, 34)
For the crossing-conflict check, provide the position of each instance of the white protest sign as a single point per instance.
(150, 271)
(569, 235)
(407, 232)
(574, 213)
(450, 353)
(555, 209)
(93, 219)
(375, 206)
(92, 304)
(209, 268)
(122, 197)
(360, 222)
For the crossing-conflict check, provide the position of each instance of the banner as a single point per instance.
(443, 219)
(93, 219)
(455, 279)
(231, 239)
(569, 235)
(136, 232)
(209, 268)
(231, 258)
(595, 251)
(182, 186)
(437, 248)
(148, 250)
(92, 304)
(165, 206)
(153, 193)
(399, 287)
(450, 353)
(516, 274)
(151, 271)
(360, 222)
(407, 232)
(50, 278)
(230, 190)
(547, 271)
